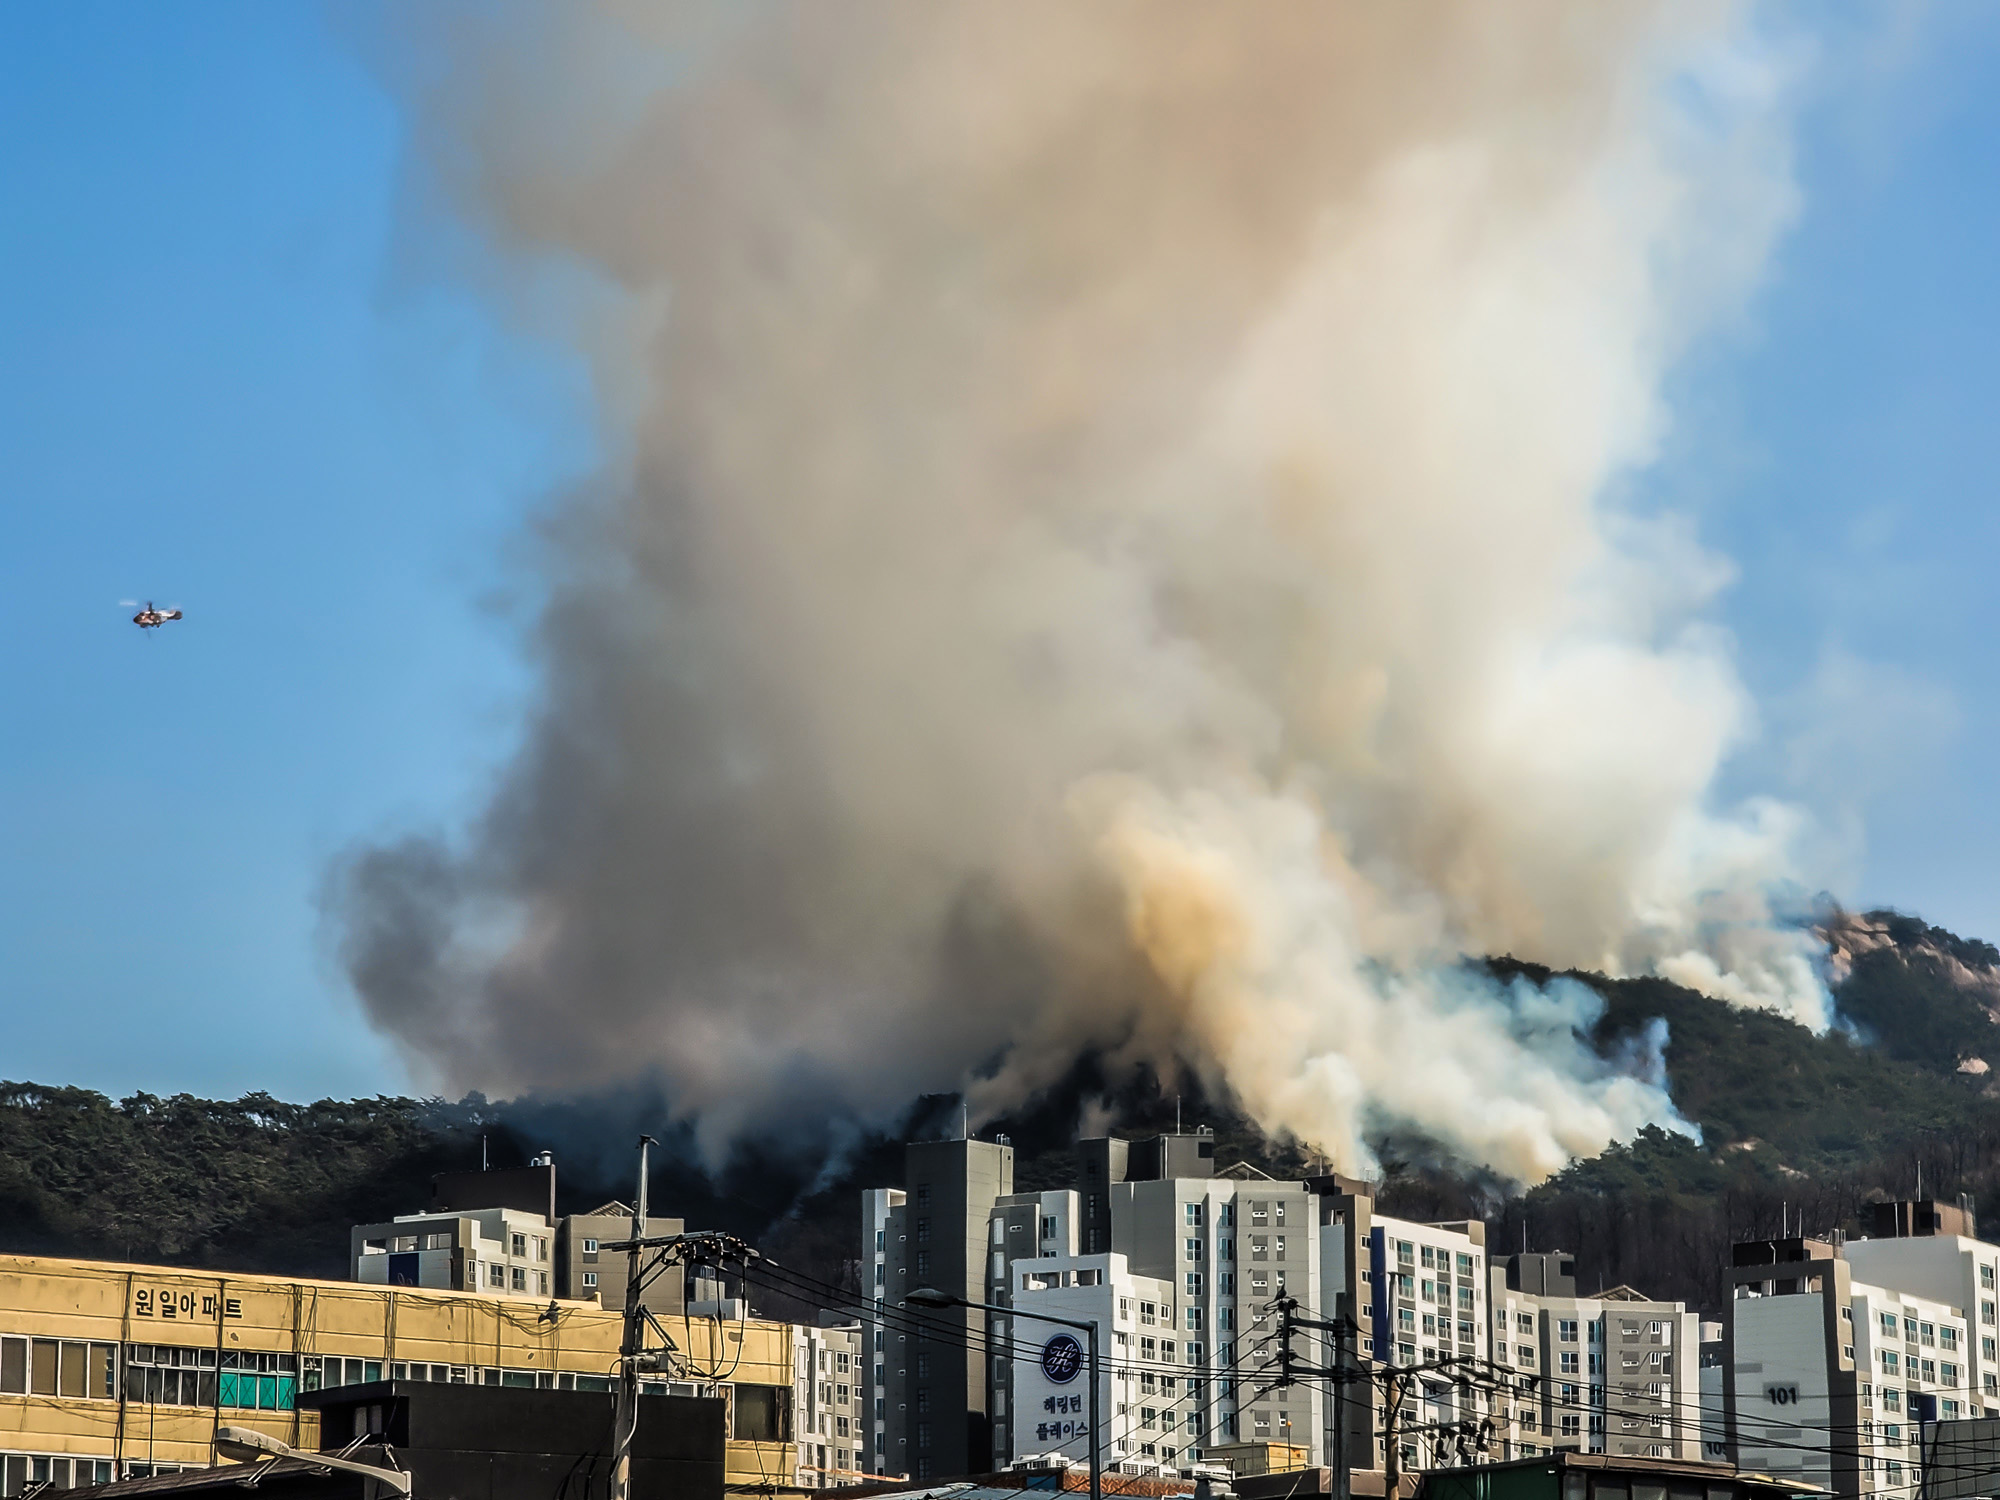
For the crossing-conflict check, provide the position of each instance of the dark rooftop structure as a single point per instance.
(1567, 1475)
(467, 1442)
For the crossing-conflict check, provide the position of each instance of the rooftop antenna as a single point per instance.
(1177, 1114)
(482, 1154)
(964, 1120)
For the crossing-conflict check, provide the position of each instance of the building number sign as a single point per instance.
(1782, 1395)
(167, 1302)
(1062, 1357)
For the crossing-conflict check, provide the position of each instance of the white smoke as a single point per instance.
(1115, 544)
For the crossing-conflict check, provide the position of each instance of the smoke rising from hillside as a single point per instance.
(1112, 544)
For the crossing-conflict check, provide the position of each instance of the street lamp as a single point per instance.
(929, 1297)
(248, 1445)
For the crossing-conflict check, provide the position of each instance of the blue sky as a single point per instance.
(220, 388)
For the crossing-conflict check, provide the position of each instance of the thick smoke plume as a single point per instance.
(1113, 542)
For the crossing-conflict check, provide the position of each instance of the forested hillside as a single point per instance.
(1810, 1128)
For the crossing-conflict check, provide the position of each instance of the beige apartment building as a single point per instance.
(113, 1371)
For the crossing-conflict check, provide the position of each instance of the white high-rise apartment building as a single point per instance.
(1154, 1383)
(1419, 1294)
(1834, 1353)
(1928, 1249)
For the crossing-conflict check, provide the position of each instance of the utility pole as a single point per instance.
(635, 1356)
(1392, 1455)
(629, 1346)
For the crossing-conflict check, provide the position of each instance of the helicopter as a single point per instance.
(150, 618)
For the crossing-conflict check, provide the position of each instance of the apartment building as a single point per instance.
(1021, 1227)
(497, 1233)
(120, 1371)
(1616, 1373)
(1231, 1245)
(1932, 1251)
(829, 1397)
(1825, 1377)
(1154, 1384)
(1227, 1247)
(876, 1207)
(1419, 1294)
(937, 1406)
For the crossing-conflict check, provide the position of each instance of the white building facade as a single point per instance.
(829, 1402)
(1618, 1373)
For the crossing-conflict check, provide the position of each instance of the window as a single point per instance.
(1430, 1325)
(923, 1196)
(1429, 1256)
(518, 1244)
(1986, 1309)
(1889, 1362)
(1527, 1353)
(1278, 1249)
(1525, 1322)
(1149, 1315)
(63, 1367)
(1947, 1373)
(1192, 1248)
(496, 1275)
(589, 1280)
(1927, 1333)
(1947, 1337)
(1464, 1264)
(1986, 1276)
(1567, 1362)
(520, 1278)
(1194, 1283)
(1572, 1425)
(1149, 1348)
(1192, 1215)
(1049, 1225)
(590, 1246)
(1566, 1330)
(1194, 1319)
(1406, 1252)
(1888, 1322)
